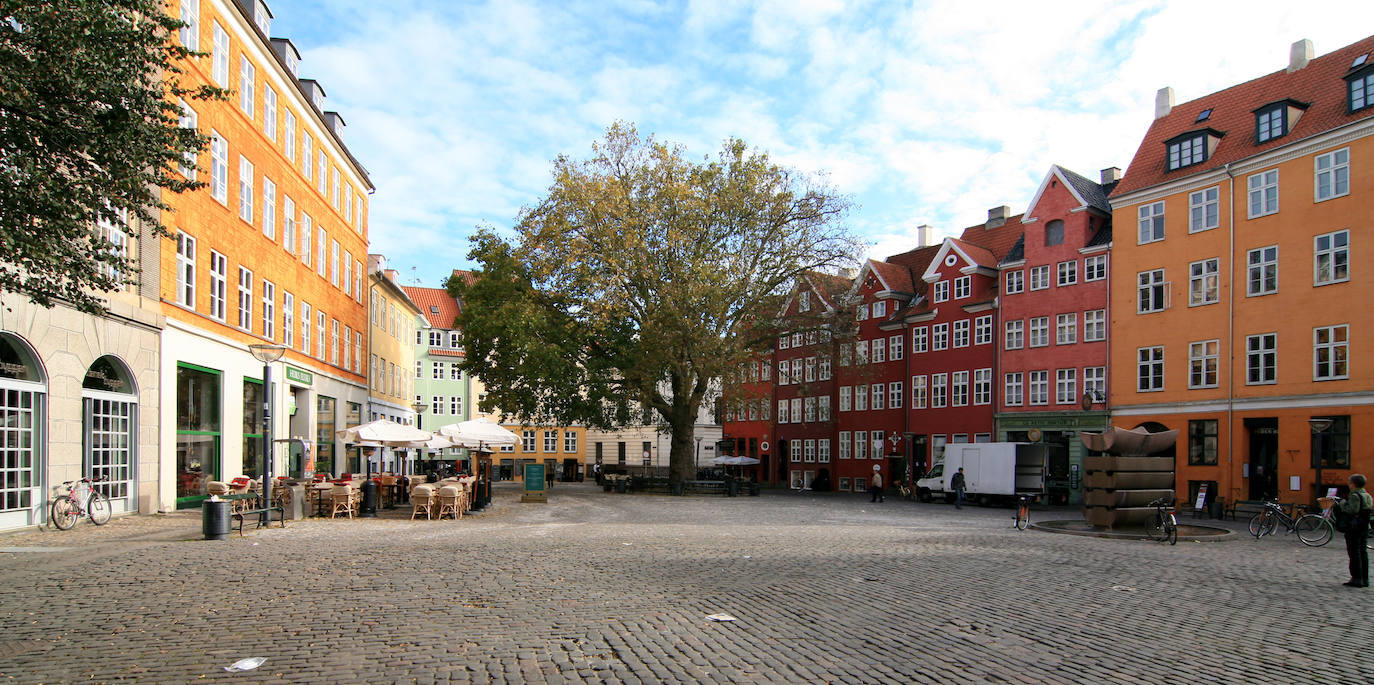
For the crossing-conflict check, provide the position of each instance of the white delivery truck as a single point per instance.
(993, 471)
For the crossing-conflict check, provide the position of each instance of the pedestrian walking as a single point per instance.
(1358, 505)
(956, 483)
(875, 486)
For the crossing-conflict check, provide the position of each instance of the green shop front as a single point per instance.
(1057, 429)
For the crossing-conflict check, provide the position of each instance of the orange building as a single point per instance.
(1240, 228)
(271, 251)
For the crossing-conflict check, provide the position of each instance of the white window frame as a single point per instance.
(1067, 273)
(1151, 223)
(918, 392)
(1204, 364)
(982, 330)
(1095, 379)
(1066, 386)
(982, 386)
(1149, 368)
(219, 286)
(1015, 282)
(248, 78)
(189, 34)
(1204, 209)
(186, 271)
(288, 321)
(1014, 389)
(1040, 277)
(1337, 352)
(1095, 268)
(1094, 325)
(1154, 282)
(1329, 172)
(1066, 328)
(245, 189)
(1038, 332)
(1338, 256)
(844, 445)
(1263, 193)
(288, 130)
(269, 112)
(920, 339)
(1038, 387)
(941, 291)
(1262, 269)
(269, 310)
(219, 168)
(939, 390)
(245, 290)
(939, 337)
(861, 397)
(306, 323)
(1262, 355)
(963, 287)
(959, 389)
(1204, 282)
(896, 350)
(269, 208)
(896, 394)
(219, 57)
(961, 335)
(846, 398)
(1014, 334)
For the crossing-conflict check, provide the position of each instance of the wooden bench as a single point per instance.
(715, 486)
(240, 514)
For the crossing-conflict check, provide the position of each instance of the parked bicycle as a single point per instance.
(80, 500)
(1163, 526)
(1314, 530)
(1023, 512)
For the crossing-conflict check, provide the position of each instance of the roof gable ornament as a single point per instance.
(949, 256)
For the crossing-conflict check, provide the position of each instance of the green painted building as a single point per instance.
(440, 386)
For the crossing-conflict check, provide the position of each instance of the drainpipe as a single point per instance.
(1231, 331)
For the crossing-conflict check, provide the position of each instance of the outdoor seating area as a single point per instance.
(451, 497)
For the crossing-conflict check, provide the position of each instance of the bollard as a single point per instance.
(214, 520)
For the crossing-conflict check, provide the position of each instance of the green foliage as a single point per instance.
(88, 132)
(638, 280)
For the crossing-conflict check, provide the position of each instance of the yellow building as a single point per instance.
(391, 346)
(561, 449)
(270, 252)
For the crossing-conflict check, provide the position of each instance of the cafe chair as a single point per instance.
(421, 499)
(341, 496)
(451, 501)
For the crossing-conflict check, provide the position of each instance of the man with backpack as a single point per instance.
(1357, 507)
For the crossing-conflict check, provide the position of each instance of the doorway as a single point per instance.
(1264, 457)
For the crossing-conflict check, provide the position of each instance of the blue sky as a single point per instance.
(924, 114)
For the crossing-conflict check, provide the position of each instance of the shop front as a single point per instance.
(1057, 429)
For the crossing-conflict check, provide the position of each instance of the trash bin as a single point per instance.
(731, 487)
(214, 520)
(295, 510)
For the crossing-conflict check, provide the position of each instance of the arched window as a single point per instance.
(109, 420)
(1054, 233)
(23, 391)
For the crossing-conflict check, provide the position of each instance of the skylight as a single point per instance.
(1360, 60)
(433, 309)
(1205, 114)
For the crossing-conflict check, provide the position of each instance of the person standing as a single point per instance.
(875, 486)
(957, 484)
(1358, 505)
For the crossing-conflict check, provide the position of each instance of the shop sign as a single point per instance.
(301, 376)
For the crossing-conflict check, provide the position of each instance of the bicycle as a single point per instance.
(1313, 530)
(81, 500)
(1163, 526)
(1023, 512)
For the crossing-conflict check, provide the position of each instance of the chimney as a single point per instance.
(923, 235)
(1299, 55)
(1111, 174)
(997, 216)
(1164, 102)
(376, 263)
(848, 272)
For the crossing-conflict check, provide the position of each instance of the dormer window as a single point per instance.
(941, 291)
(1187, 150)
(1271, 121)
(1361, 88)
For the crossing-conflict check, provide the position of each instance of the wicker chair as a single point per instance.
(451, 501)
(341, 496)
(422, 499)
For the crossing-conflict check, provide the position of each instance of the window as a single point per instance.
(436, 370)
(1068, 273)
(288, 224)
(879, 351)
(895, 393)
(334, 178)
(1202, 364)
(919, 339)
(288, 129)
(879, 309)
(1264, 193)
(1015, 334)
(186, 271)
(219, 285)
(190, 32)
(982, 330)
(1331, 258)
(1334, 448)
(269, 113)
(782, 411)
(1261, 359)
(550, 441)
(796, 340)
(219, 167)
(1149, 369)
(1187, 150)
(322, 172)
(1202, 442)
(1151, 290)
(321, 242)
(1094, 325)
(305, 330)
(823, 451)
(940, 336)
(918, 392)
(187, 120)
(219, 60)
(247, 79)
(320, 321)
(419, 369)
(941, 291)
(1054, 233)
(982, 386)
(765, 370)
(269, 310)
(939, 389)
(860, 444)
(334, 263)
(1151, 223)
(527, 441)
(357, 351)
(1016, 281)
(1040, 277)
(958, 389)
(784, 341)
(1039, 387)
(963, 287)
(288, 322)
(1271, 122)
(306, 236)
(245, 299)
(1204, 209)
(879, 396)
(1332, 174)
(1014, 387)
(1066, 329)
(784, 372)
(1095, 268)
(348, 203)
(845, 397)
(1203, 282)
(861, 312)
(796, 410)
(895, 348)
(455, 371)
(961, 333)
(1331, 352)
(1262, 266)
(348, 270)
(306, 144)
(269, 208)
(569, 440)
(861, 398)
(245, 189)
(823, 408)
(844, 444)
(1095, 381)
(1040, 331)
(1066, 386)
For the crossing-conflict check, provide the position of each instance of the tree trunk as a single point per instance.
(682, 455)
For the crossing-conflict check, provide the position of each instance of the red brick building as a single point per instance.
(804, 384)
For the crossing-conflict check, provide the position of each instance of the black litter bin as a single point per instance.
(214, 520)
(731, 487)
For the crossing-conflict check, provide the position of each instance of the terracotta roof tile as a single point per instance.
(1320, 83)
(898, 278)
(997, 241)
(439, 308)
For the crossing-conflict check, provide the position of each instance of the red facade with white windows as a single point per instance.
(804, 385)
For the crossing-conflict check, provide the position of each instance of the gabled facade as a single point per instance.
(1054, 312)
(441, 387)
(1247, 214)
(804, 388)
(747, 430)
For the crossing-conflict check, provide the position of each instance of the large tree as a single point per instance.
(640, 281)
(88, 133)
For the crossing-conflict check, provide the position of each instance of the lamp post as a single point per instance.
(1319, 427)
(420, 408)
(267, 353)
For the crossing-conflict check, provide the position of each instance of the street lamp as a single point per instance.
(267, 353)
(420, 408)
(1319, 425)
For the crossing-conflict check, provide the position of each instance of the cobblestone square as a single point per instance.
(597, 587)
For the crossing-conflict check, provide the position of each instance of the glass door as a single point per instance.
(198, 432)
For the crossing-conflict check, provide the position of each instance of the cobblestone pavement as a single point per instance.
(616, 588)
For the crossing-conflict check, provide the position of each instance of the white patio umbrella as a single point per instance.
(734, 461)
(478, 434)
(438, 442)
(384, 432)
